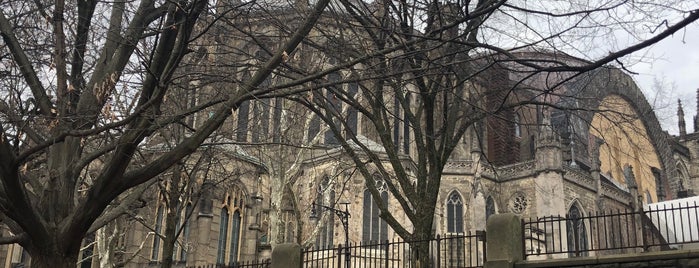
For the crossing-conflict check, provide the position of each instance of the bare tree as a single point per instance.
(431, 72)
(84, 85)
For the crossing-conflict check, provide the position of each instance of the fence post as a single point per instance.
(439, 251)
(504, 245)
(287, 255)
(340, 255)
(387, 250)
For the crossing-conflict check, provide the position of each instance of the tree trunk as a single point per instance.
(420, 254)
(106, 241)
(172, 217)
(275, 215)
(420, 247)
(55, 260)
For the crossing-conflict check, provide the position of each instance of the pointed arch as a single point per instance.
(325, 196)
(576, 230)
(155, 250)
(230, 225)
(490, 208)
(222, 236)
(517, 125)
(373, 227)
(455, 212)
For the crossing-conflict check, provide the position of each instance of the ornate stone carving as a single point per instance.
(518, 203)
(517, 170)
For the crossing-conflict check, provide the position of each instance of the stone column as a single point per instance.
(595, 168)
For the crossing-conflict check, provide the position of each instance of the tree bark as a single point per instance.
(54, 258)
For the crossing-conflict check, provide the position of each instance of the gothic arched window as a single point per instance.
(335, 104)
(577, 235)
(373, 227)
(489, 207)
(222, 236)
(243, 120)
(185, 232)
(326, 197)
(230, 227)
(455, 213)
(155, 253)
(235, 237)
(352, 120)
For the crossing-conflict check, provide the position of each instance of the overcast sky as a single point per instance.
(676, 64)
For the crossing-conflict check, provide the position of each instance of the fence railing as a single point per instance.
(243, 264)
(452, 250)
(657, 227)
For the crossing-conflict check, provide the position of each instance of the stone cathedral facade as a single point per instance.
(533, 164)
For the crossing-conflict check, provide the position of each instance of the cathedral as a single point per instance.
(533, 162)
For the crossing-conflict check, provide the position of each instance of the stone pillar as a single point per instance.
(504, 245)
(595, 167)
(636, 205)
(287, 256)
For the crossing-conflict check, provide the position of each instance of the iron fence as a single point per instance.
(452, 250)
(657, 227)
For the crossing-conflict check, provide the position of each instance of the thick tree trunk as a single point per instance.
(55, 260)
(172, 217)
(420, 247)
(420, 254)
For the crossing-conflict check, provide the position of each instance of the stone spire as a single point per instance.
(633, 187)
(549, 155)
(680, 121)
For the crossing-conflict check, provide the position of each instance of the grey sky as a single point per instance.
(676, 63)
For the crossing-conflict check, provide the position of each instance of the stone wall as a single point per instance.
(672, 259)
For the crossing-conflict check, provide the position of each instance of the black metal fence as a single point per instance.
(453, 250)
(244, 264)
(657, 227)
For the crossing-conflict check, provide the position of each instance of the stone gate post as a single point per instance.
(286, 256)
(504, 245)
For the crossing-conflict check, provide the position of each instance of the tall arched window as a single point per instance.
(489, 207)
(185, 232)
(243, 120)
(455, 213)
(352, 120)
(373, 227)
(577, 235)
(235, 237)
(326, 197)
(230, 227)
(222, 237)
(334, 104)
(261, 118)
(314, 124)
(155, 253)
